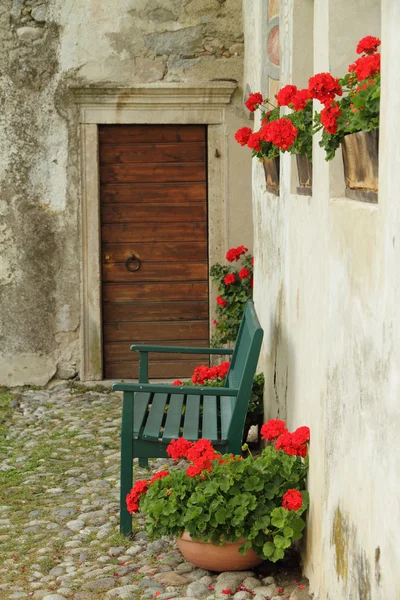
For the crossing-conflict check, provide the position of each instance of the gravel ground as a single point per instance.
(59, 530)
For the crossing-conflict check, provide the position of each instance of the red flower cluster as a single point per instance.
(254, 141)
(294, 443)
(201, 454)
(365, 86)
(286, 95)
(221, 301)
(235, 253)
(368, 45)
(273, 429)
(253, 101)
(132, 499)
(242, 135)
(177, 382)
(178, 448)
(324, 87)
(204, 373)
(329, 116)
(366, 66)
(244, 273)
(292, 500)
(229, 278)
(281, 133)
(300, 99)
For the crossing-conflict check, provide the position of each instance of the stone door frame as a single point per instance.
(159, 104)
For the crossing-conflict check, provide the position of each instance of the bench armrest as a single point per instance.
(190, 390)
(180, 349)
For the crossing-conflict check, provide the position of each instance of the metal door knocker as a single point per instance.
(133, 259)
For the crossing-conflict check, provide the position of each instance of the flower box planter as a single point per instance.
(217, 558)
(360, 162)
(304, 170)
(271, 170)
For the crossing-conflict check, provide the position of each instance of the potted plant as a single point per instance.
(229, 512)
(352, 120)
(300, 103)
(277, 134)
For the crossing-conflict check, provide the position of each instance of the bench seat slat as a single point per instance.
(174, 417)
(140, 405)
(192, 414)
(155, 418)
(227, 407)
(210, 422)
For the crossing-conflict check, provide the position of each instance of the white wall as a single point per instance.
(327, 292)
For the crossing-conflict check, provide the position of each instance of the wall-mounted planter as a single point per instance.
(360, 161)
(271, 170)
(304, 170)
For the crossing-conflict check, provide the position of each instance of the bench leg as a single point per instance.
(144, 463)
(125, 521)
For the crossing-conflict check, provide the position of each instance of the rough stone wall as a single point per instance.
(327, 290)
(45, 47)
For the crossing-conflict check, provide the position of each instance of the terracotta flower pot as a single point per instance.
(360, 162)
(304, 171)
(271, 170)
(217, 558)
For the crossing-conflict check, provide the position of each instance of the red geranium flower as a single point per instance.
(159, 475)
(229, 278)
(178, 448)
(221, 301)
(281, 133)
(366, 66)
(324, 87)
(253, 101)
(292, 500)
(254, 141)
(235, 253)
(273, 429)
(368, 45)
(329, 116)
(300, 99)
(177, 382)
(242, 135)
(285, 95)
(132, 499)
(244, 273)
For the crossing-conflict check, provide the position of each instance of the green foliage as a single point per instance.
(236, 295)
(237, 499)
(303, 121)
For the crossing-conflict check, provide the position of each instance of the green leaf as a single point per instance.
(253, 483)
(288, 532)
(279, 517)
(221, 515)
(268, 549)
(281, 542)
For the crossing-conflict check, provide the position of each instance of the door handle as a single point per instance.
(133, 259)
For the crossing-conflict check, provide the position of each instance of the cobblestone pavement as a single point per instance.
(59, 492)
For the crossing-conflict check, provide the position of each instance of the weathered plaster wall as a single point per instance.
(46, 46)
(327, 292)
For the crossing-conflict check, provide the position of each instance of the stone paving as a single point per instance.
(59, 493)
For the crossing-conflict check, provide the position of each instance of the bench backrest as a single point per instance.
(244, 364)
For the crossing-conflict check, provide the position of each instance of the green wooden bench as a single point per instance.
(153, 415)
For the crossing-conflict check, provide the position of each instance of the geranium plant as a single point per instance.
(292, 132)
(350, 104)
(225, 498)
(235, 287)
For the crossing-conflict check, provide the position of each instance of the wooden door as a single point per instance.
(153, 188)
